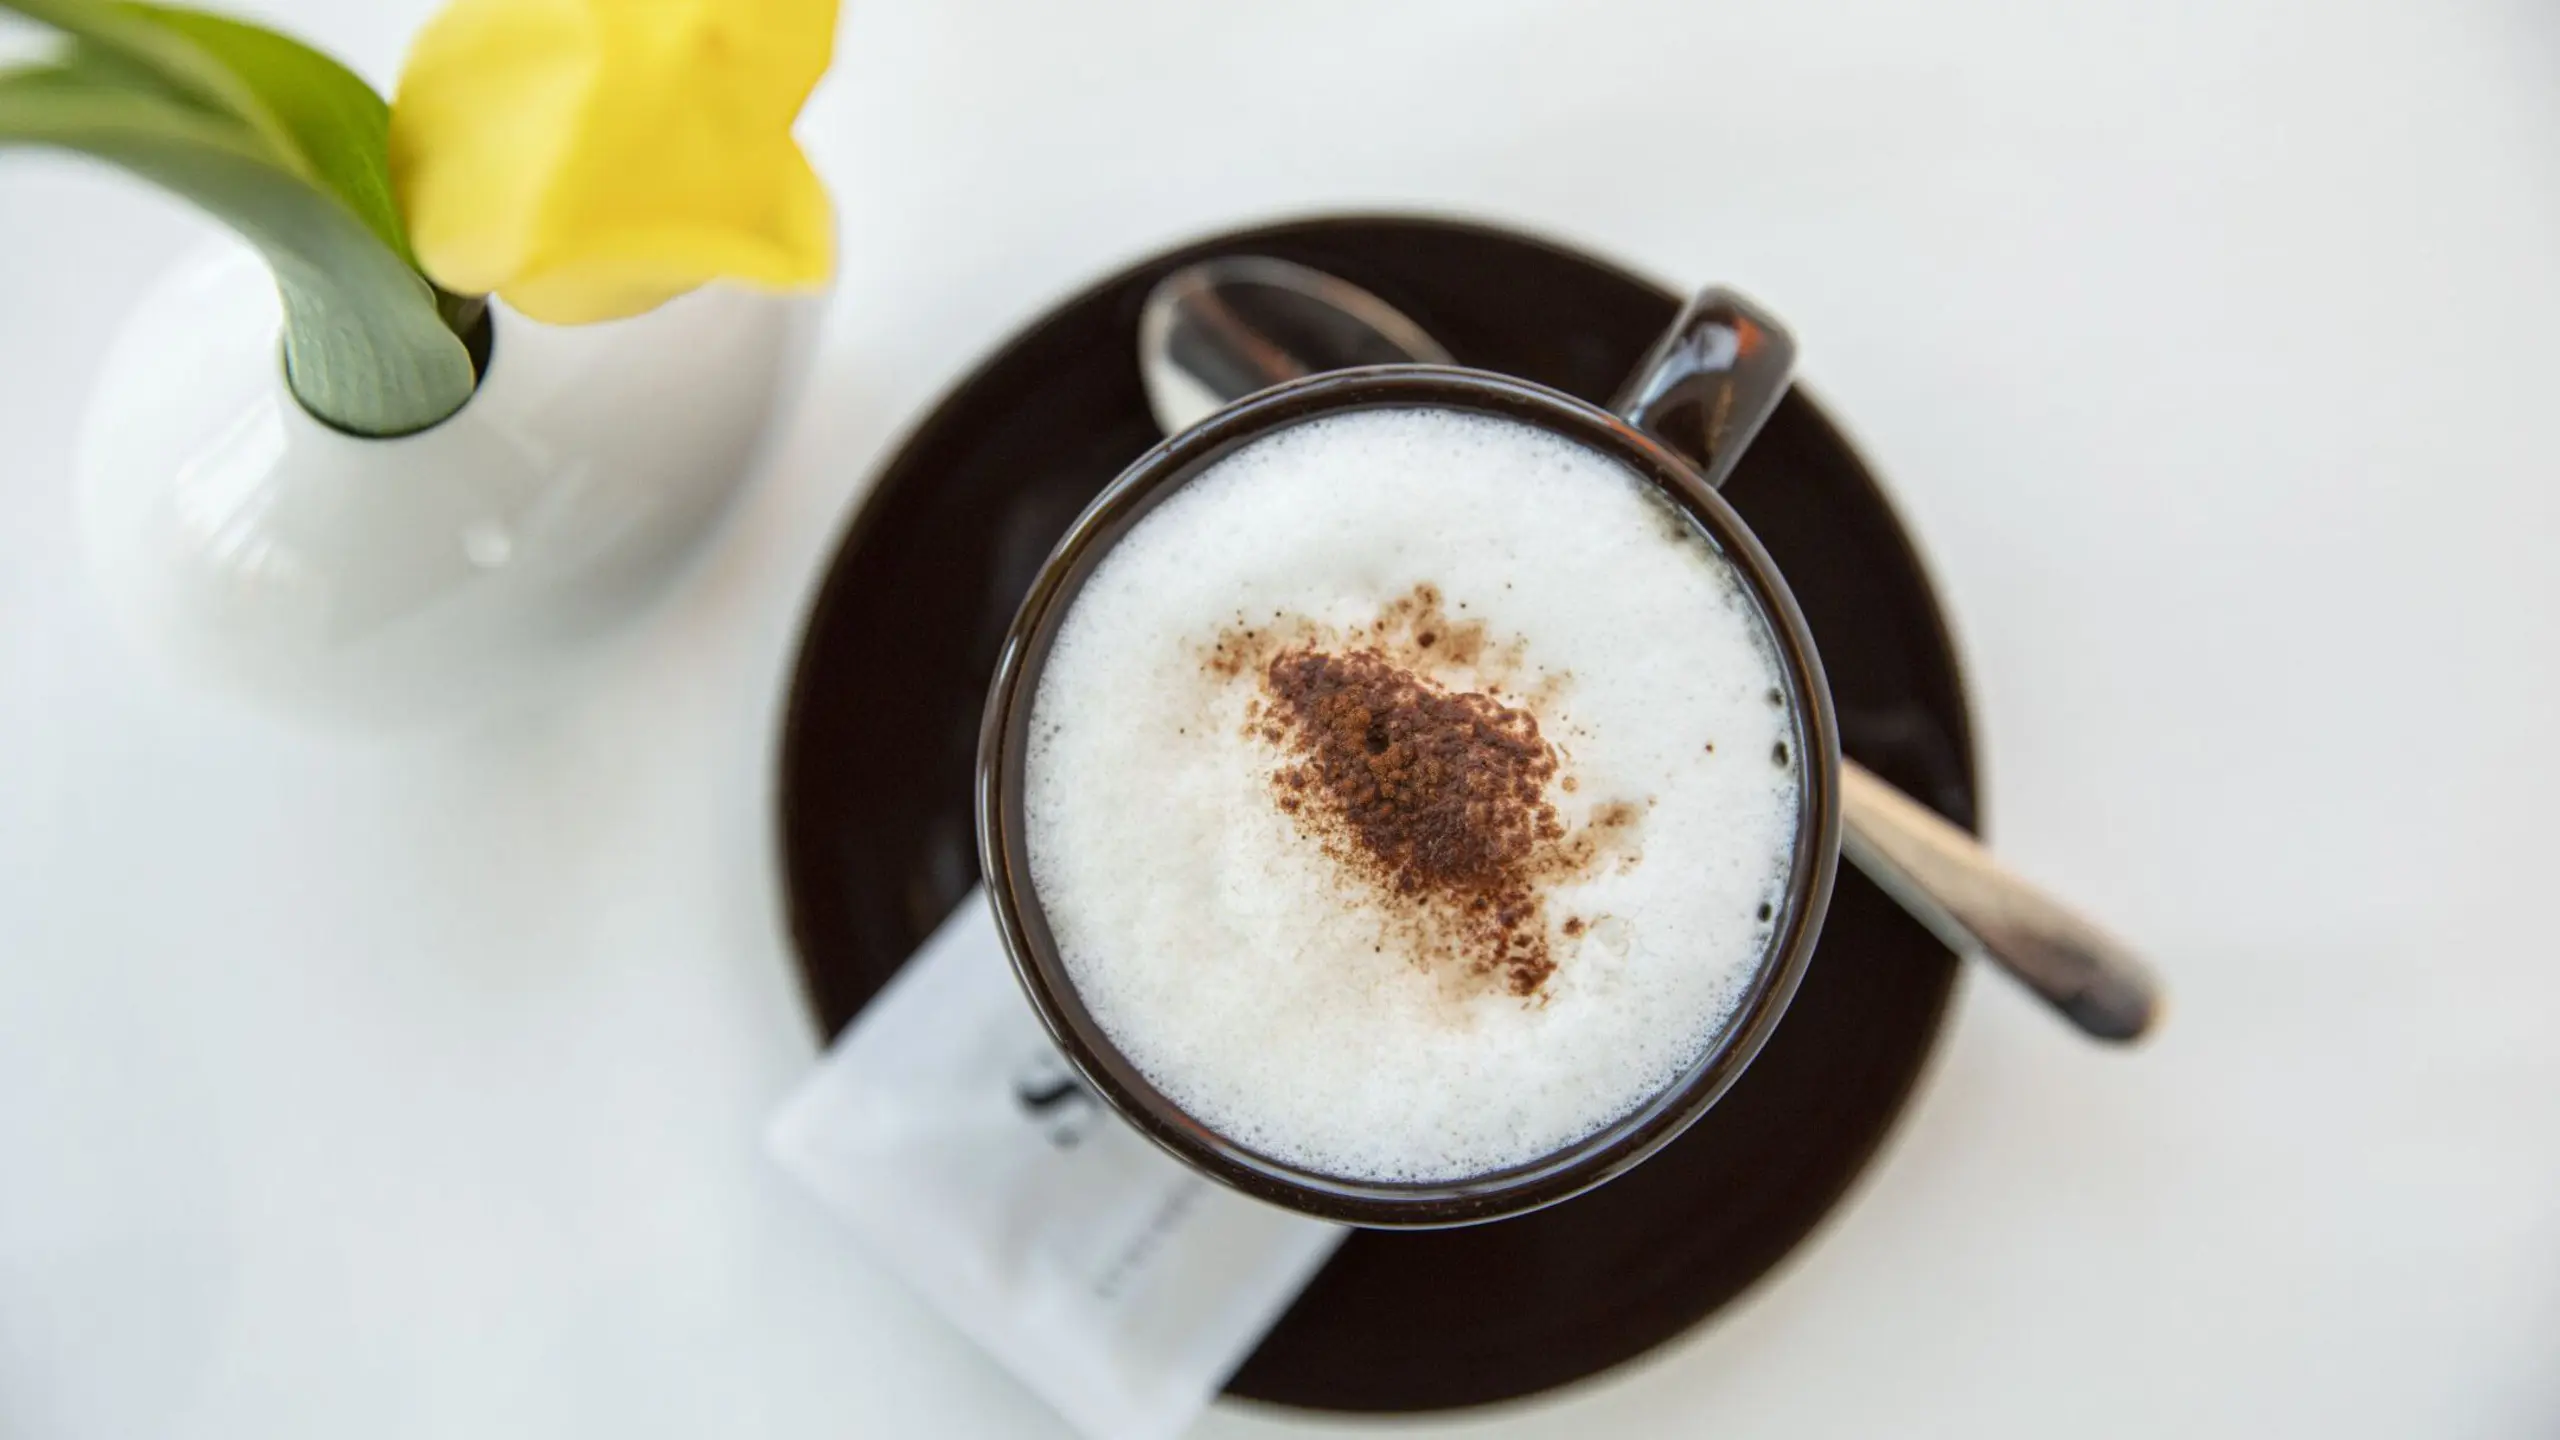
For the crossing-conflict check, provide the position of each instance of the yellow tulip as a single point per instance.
(591, 159)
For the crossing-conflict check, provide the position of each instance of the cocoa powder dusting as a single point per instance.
(1411, 754)
(1438, 796)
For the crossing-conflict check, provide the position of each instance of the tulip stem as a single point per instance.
(470, 319)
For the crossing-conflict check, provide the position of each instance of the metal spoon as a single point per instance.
(1214, 332)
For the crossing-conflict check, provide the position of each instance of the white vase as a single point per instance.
(383, 583)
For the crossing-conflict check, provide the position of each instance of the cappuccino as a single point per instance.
(1412, 794)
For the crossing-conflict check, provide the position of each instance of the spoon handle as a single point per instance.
(1705, 389)
(1951, 884)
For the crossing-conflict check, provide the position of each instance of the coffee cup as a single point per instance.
(1589, 856)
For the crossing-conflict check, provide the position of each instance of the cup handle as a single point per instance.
(1712, 380)
(1707, 386)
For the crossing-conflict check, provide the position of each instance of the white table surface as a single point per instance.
(415, 1090)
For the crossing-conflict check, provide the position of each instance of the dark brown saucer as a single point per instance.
(879, 746)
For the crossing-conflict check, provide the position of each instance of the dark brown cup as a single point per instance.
(1681, 367)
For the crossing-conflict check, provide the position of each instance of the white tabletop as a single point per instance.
(415, 1090)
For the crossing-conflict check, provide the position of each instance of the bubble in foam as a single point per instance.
(1264, 978)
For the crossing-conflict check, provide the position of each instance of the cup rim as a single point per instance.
(1002, 848)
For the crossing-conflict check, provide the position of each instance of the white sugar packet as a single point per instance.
(945, 1128)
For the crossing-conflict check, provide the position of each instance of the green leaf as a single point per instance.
(366, 348)
(339, 128)
(102, 26)
(321, 120)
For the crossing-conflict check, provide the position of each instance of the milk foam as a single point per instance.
(1221, 948)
